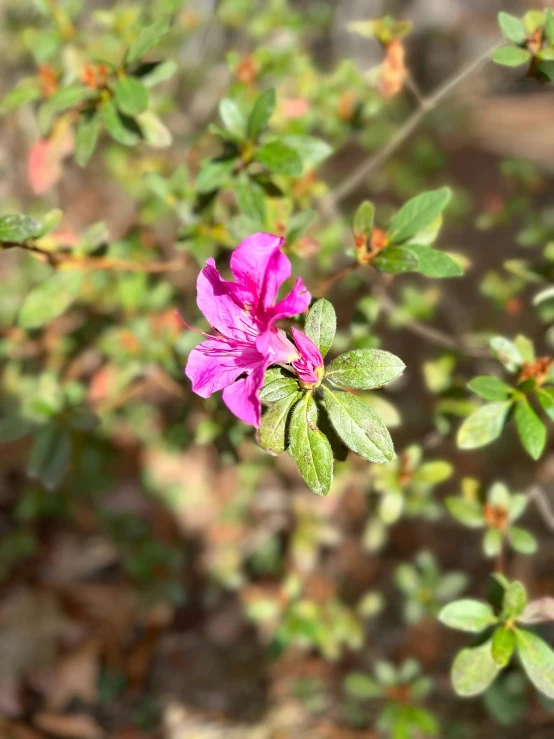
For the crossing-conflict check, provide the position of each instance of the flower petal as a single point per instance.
(214, 365)
(297, 301)
(220, 302)
(308, 350)
(242, 397)
(259, 265)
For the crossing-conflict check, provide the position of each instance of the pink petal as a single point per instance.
(308, 349)
(214, 365)
(297, 301)
(259, 265)
(220, 302)
(242, 397)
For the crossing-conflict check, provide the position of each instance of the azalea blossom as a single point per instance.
(309, 366)
(244, 314)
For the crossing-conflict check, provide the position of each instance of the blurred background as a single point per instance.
(160, 575)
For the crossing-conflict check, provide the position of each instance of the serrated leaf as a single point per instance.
(261, 113)
(364, 369)
(19, 228)
(418, 213)
(50, 456)
(321, 325)
(86, 139)
(531, 430)
(232, 118)
(148, 37)
(310, 448)
(131, 96)
(522, 541)
(435, 263)
(467, 512)
(395, 260)
(122, 129)
(483, 426)
(467, 615)
(359, 427)
(363, 219)
(490, 388)
(279, 158)
(512, 28)
(272, 435)
(474, 669)
(538, 661)
(503, 643)
(277, 386)
(511, 56)
(214, 174)
(50, 298)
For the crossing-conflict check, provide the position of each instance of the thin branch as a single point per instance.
(544, 506)
(426, 104)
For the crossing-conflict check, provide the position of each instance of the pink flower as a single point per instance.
(309, 366)
(244, 314)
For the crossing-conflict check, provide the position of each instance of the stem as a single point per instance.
(543, 504)
(426, 104)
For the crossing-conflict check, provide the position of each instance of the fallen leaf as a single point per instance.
(76, 676)
(68, 726)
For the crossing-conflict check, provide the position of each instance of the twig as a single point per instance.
(544, 506)
(426, 104)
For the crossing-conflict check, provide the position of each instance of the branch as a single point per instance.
(426, 104)
(543, 504)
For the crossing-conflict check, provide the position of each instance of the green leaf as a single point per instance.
(277, 386)
(435, 263)
(522, 541)
(19, 228)
(531, 429)
(232, 118)
(538, 661)
(251, 201)
(272, 435)
(514, 600)
(512, 28)
(279, 158)
(418, 213)
(496, 589)
(490, 388)
(121, 129)
(395, 260)
(160, 72)
(492, 543)
(363, 219)
(483, 426)
(545, 396)
(359, 427)
(467, 512)
(50, 298)
(474, 669)
(298, 224)
(261, 113)
(503, 643)
(147, 39)
(310, 448)
(86, 139)
(321, 325)
(361, 686)
(131, 96)
(311, 150)
(214, 174)
(467, 615)
(511, 56)
(549, 26)
(154, 132)
(50, 456)
(507, 353)
(433, 473)
(364, 369)
(68, 97)
(15, 427)
(25, 92)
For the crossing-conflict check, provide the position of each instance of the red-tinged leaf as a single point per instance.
(44, 166)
